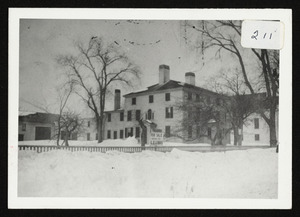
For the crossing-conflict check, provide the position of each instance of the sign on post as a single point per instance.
(156, 138)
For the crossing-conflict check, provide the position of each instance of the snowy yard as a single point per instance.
(234, 174)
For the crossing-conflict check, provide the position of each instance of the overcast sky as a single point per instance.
(154, 43)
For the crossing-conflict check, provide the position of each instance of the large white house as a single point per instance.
(159, 105)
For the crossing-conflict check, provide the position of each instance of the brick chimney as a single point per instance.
(117, 99)
(190, 78)
(164, 74)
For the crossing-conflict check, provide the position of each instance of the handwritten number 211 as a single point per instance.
(255, 35)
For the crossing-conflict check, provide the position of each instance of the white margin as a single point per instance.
(284, 200)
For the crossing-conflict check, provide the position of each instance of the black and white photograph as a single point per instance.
(149, 108)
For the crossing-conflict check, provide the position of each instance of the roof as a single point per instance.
(39, 117)
(171, 84)
(25, 113)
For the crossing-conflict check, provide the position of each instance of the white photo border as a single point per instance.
(284, 200)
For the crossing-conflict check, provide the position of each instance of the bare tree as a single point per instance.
(225, 35)
(96, 67)
(239, 105)
(202, 114)
(70, 122)
(64, 94)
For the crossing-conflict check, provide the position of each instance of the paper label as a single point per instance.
(262, 34)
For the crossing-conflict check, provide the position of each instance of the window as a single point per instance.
(218, 101)
(74, 136)
(209, 132)
(89, 123)
(190, 131)
(169, 112)
(96, 136)
(109, 117)
(149, 114)
(133, 102)
(121, 134)
(256, 123)
(115, 134)
(108, 134)
(23, 127)
(167, 96)
(131, 131)
(21, 137)
(197, 97)
(128, 115)
(256, 137)
(62, 135)
(167, 131)
(151, 99)
(137, 132)
(122, 116)
(137, 115)
(128, 132)
(189, 96)
(88, 136)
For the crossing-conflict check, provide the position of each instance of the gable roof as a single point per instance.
(171, 84)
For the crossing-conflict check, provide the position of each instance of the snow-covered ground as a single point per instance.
(248, 173)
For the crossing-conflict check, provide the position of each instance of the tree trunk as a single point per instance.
(272, 126)
(143, 134)
(58, 136)
(235, 135)
(67, 138)
(241, 135)
(58, 130)
(100, 129)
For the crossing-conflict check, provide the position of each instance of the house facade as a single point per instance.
(161, 105)
(256, 131)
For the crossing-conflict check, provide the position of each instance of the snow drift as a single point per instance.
(235, 174)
